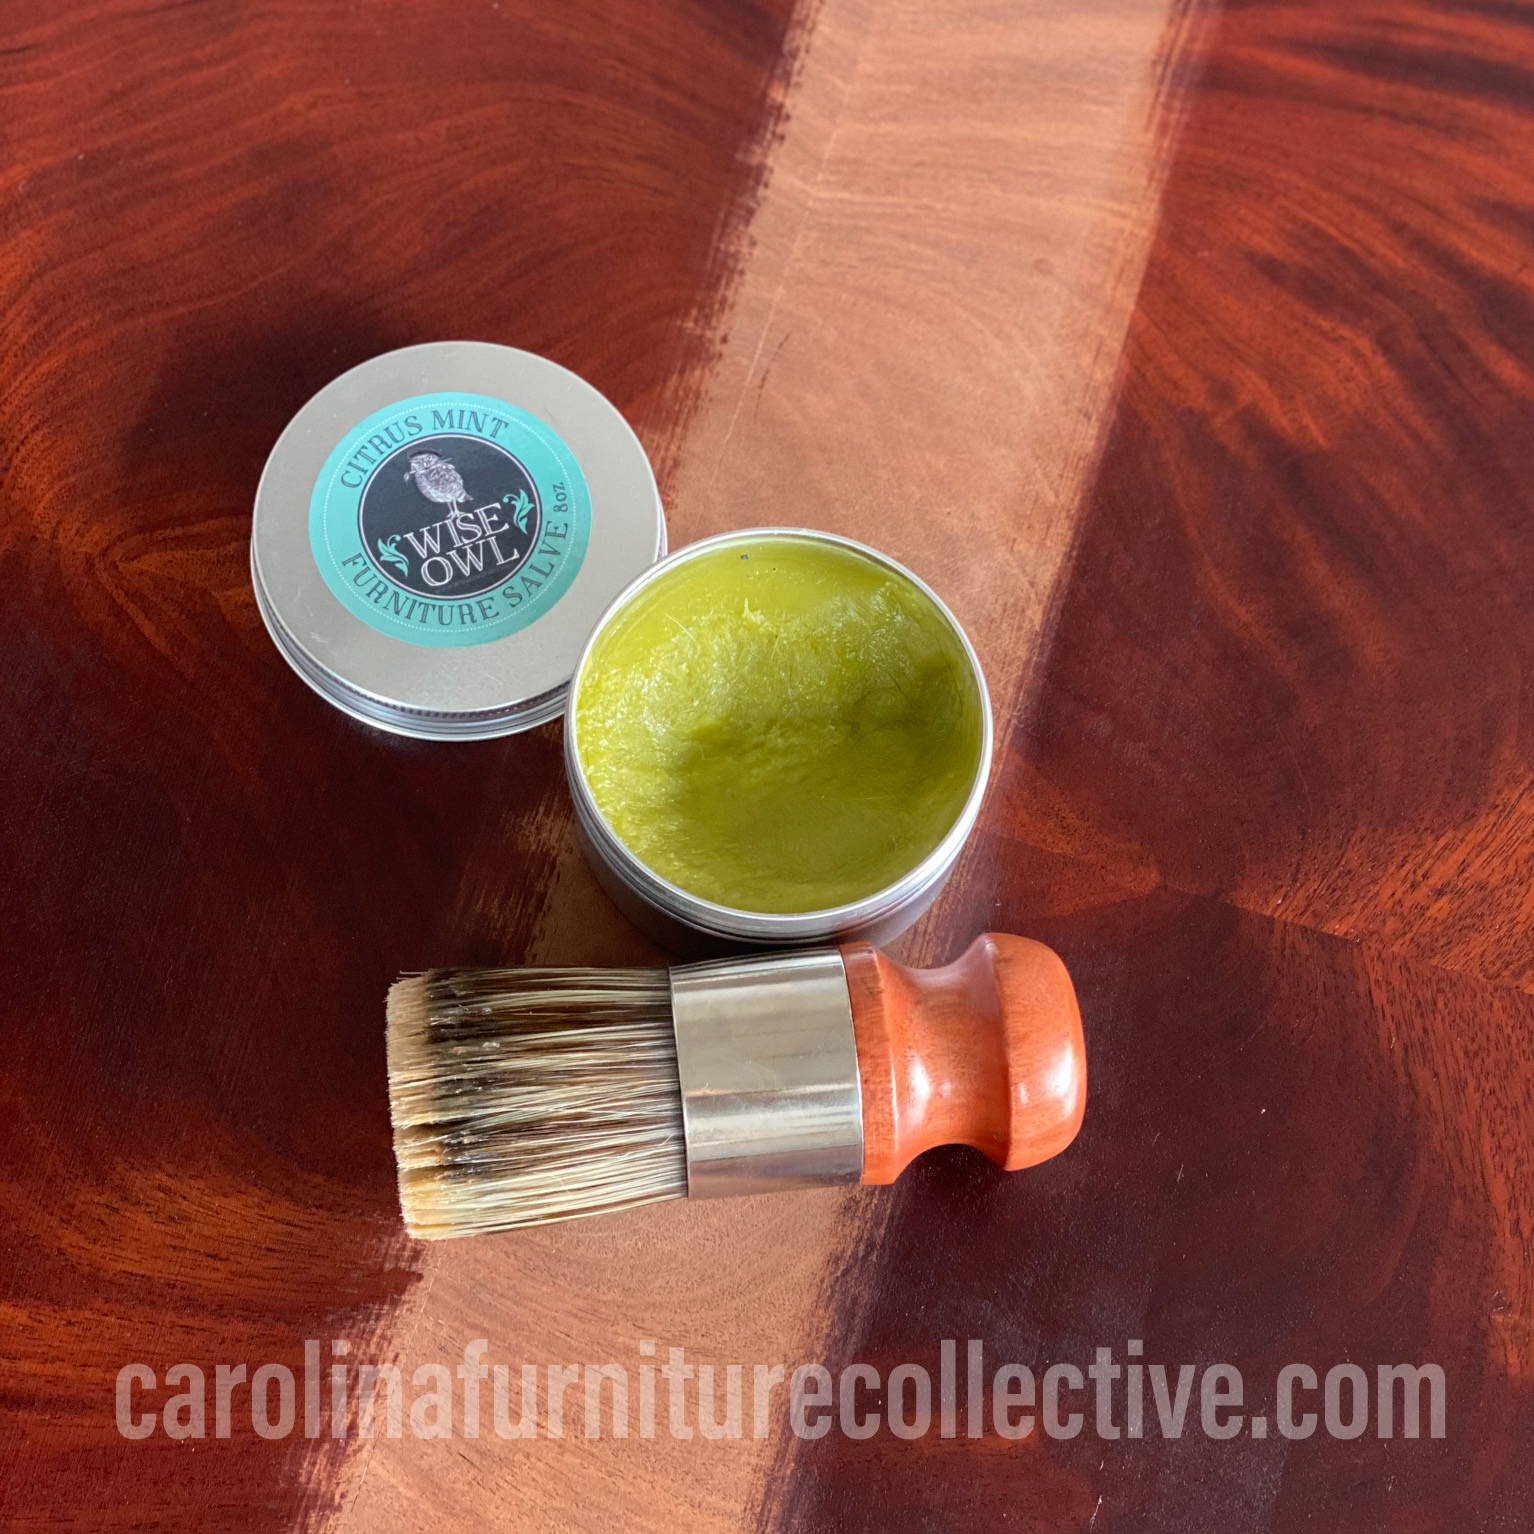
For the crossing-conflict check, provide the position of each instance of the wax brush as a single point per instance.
(525, 1096)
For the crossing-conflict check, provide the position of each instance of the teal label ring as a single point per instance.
(450, 519)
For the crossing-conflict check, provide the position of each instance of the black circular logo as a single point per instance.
(449, 516)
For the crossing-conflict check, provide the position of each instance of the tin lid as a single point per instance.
(437, 532)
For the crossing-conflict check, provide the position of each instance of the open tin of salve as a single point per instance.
(776, 737)
(437, 531)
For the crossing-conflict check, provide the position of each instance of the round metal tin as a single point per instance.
(689, 924)
(449, 688)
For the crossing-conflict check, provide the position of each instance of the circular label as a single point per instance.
(450, 519)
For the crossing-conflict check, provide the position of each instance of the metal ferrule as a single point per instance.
(769, 1070)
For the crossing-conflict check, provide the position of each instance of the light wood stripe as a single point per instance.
(918, 353)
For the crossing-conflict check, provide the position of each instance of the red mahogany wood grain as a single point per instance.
(1263, 770)
(1271, 801)
(208, 211)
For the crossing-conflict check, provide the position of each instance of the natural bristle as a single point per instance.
(523, 1096)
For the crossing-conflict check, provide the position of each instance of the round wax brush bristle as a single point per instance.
(525, 1096)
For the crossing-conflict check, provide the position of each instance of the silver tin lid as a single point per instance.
(438, 531)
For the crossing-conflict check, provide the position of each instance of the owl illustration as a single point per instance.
(436, 479)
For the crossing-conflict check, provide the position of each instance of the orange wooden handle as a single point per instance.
(986, 1051)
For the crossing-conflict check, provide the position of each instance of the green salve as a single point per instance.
(779, 725)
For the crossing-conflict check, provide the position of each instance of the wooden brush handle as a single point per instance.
(986, 1051)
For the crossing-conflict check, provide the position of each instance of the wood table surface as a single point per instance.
(1186, 348)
